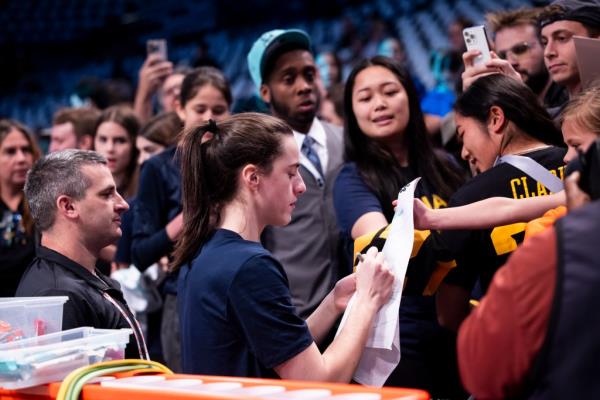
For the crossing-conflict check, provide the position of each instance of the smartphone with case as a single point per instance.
(476, 39)
(157, 46)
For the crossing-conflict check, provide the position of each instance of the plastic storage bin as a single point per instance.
(49, 358)
(25, 317)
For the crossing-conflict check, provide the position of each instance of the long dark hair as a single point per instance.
(200, 77)
(211, 157)
(517, 101)
(125, 117)
(377, 165)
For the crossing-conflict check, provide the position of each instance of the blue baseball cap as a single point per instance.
(269, 44)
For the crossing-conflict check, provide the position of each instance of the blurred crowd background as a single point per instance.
(70, 52)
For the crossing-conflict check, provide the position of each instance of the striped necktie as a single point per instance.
(310, 153)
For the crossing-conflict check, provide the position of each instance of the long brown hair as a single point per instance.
(125, 117)
(211, 157)
(6, 126)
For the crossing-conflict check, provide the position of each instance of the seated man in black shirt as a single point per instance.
(75, 205)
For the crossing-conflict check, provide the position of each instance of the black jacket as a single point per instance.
(95, 301)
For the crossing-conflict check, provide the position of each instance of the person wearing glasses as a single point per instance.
(517, 40)
(557, 23)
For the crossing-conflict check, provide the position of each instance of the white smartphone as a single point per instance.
(157, 46)
(476, 39)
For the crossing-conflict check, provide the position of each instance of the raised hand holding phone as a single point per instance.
(476, 39)
(479, 60)
(158, 47)
(152, 74)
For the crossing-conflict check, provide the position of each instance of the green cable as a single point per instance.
(75, 388)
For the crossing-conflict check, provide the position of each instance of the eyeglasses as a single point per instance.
(517, 50)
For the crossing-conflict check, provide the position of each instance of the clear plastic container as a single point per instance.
(25, 317)
(49, 358)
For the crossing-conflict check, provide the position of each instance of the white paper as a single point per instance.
(382, 352)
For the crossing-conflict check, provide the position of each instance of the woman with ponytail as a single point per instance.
(234, 302)
(158, 220)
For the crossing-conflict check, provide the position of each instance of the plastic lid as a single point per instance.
(31, 301)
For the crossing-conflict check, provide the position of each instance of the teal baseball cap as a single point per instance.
(272, 44)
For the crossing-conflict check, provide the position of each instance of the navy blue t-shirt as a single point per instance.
(236, 312)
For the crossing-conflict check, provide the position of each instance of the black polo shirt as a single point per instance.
(95, 301)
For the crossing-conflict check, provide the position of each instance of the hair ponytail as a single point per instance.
(211, 157)
(196, 207)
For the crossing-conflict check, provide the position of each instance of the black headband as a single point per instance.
(586, 12)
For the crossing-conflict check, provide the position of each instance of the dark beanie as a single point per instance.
(586, 12)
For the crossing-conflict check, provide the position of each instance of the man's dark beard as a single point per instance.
(538, 82)
(298, 122)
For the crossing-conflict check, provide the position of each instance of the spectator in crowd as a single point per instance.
(151, 76)
(115, 138)
(330, 86)
(531, 335)
(282, 66)
(18, 152)
(392, 47)
(157, 134)
(495, 116)
(330, 68)
(73, 128)
(387, 147)
(517, 40)
(580, 128)
(237, 316)
(157, 78)
(331, 107)
(171, 88)
(559, 22)
(76, 206)
(157, 218)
